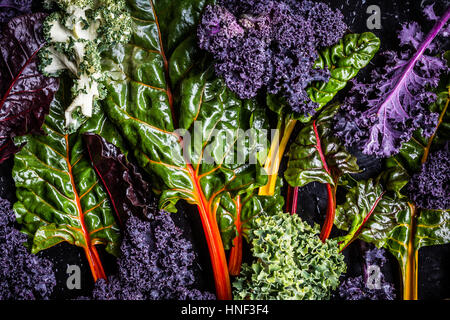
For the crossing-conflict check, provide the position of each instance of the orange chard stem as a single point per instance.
(213, 240)
(95, 263)
(91, 251)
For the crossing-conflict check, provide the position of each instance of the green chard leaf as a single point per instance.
(243, 210)
(160, 84)
(370, 214)
(344, 60)
(59, 195)
(317, 155)
(388, 221)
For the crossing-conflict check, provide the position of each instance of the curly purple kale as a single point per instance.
(23, 276)
(380, 115)
(270, 44)
(156, 263)
(357, 288)
(430, 188)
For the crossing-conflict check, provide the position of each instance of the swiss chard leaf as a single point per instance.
(12, 8)
(373, 216)
(384, 219)
(344, 60)
(162, 59)
(59, 195)
(127, 190)
(25, 94)
(316, 155)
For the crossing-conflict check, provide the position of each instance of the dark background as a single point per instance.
(434, 262)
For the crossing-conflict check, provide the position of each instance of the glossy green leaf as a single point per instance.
(344, 60)
(142, 105)
(370, 214)
(317, 155)
(160, 83)
(392, 223)
(59, 195)
(250, 206)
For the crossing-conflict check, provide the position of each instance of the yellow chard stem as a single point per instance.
(410, 276)
(276, 152)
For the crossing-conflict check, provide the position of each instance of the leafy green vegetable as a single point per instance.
(76, 34)
(59, 195)
(373, 216)
(161, 60)
(392, 223)
(344, 60)
(291, 262)
(243, 210)
(25, 94)
(427, 227)
(317, 155)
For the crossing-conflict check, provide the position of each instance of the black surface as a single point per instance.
(434, 262)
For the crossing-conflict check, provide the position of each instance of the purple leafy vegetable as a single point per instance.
(126, 188)
(383, 114)
(23, 276)
(12, 8)
(155, 264)
(257, 44)
(359, 288)
(25, 94)
(430, 188)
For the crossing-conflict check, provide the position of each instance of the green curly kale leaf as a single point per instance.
(291, 262)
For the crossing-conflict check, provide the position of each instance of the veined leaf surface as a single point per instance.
(316, 155)
(59, 195)
(162, 59)
(344, 60)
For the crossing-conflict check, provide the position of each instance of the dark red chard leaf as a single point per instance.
(127, 190)
(25, 94)
(12, 8)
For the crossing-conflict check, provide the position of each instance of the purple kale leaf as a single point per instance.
(357, 288)
(430, 188)
(270, 44)
(381, 115)
(11, 8)
(156, 263)
(23, 276)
